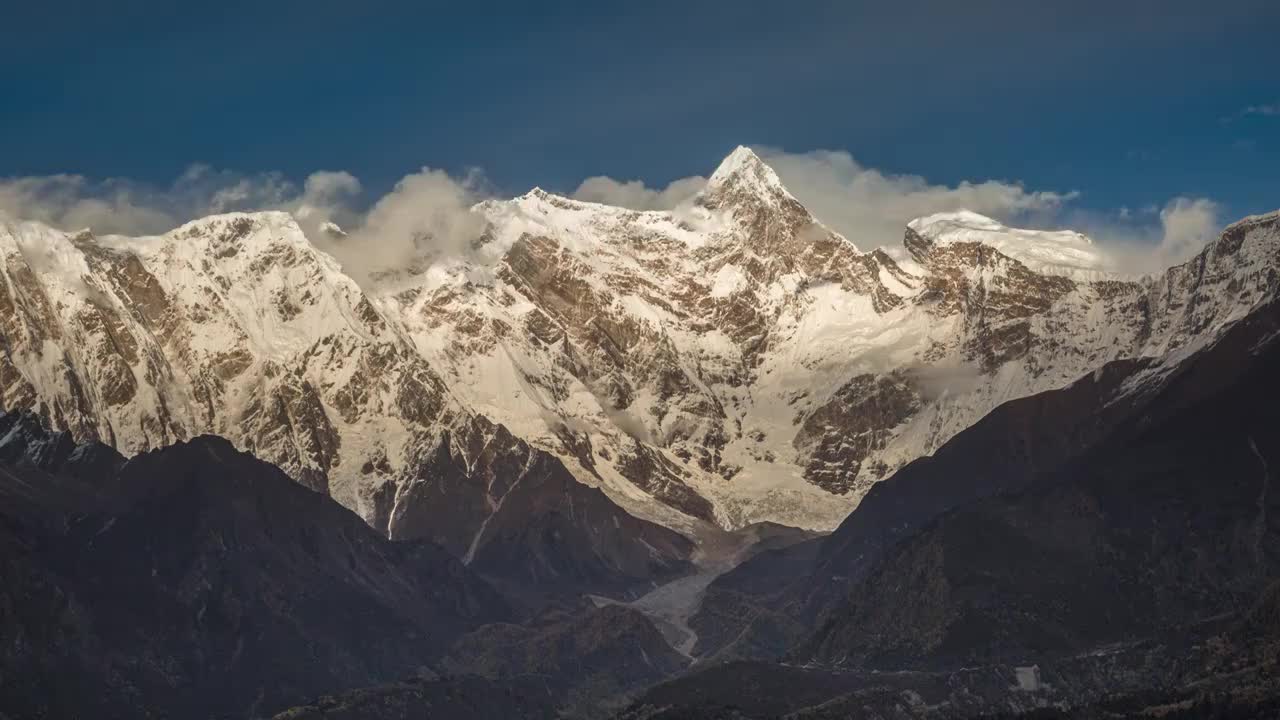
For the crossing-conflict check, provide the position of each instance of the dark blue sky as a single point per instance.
(1129, 102)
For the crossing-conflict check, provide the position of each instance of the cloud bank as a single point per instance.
(119, 206)
(1154, 238)
(635, 195)
(867, 206)
(871, 208)
(427, 215)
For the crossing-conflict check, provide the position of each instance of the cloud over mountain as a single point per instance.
(427, 216)
(871, 207)
(634, 194)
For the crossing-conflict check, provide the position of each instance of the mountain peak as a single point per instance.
(955, 218)
(1052, 252)
(742, 169)
(742, 158)
(968, 226)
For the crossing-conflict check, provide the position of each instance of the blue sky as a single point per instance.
(1128, 103)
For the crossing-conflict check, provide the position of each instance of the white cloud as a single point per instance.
(871, 208)
(1265, 110)
(120, 206)
(1153, 238)
(1188, 224)
(1271, 110)
(635, 195)
(327, 185)
(863, 204)
(327, 197)
(72, 202)
(427, 215)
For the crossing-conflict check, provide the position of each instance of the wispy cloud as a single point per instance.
(120, 206)
(634, 194)
(1151, 238)
(425, 217)
(871, 207)
(1272, 110)
(428, 216)
(867, 206)
(1266, 110)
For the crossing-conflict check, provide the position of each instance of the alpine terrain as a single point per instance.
(598, 449)
(728, 363)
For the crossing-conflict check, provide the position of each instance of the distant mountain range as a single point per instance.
(730, 362)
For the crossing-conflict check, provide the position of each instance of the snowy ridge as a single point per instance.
(730, 362)
(718, 353)
(1065, 252)
(745, 167)
(233, 325)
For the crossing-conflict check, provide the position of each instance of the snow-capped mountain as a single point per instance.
(737, 360)
(237, 326)
(731, 361)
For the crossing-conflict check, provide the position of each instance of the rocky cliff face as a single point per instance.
(1164, 520)
(238, 326)
(729, 362)
(1012, 448)
(737, 361)
(233, 325)
(1103, 550)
